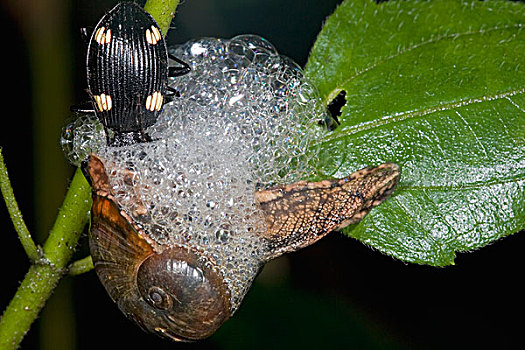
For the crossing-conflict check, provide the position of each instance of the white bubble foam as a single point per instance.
(244, 120)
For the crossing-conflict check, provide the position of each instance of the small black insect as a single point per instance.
(331, 121)
(334, 107)
(127, 72)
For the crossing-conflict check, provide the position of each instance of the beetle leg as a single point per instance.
(300, 214)
(178, 71)
(84, 33)
(85, 107)
(127, 138)
(171, 94)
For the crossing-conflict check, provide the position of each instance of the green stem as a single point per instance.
(81, 266)
(48, 269)
(70, 222)
(44, 275)
(163, 11)
(30, 247)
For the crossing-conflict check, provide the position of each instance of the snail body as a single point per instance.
(181, 225)
(177, 291)
(172, 291)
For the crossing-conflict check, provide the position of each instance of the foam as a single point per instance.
(244, 120)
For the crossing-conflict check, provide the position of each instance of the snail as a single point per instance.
(178, 291)
(182, 221)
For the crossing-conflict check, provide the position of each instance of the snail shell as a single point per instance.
(172, 291)
(178, 292)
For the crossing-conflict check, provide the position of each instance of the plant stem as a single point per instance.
(30, 247)
(70, 222)
(81, 266)
(48, 269)
(163, 11)
(43, 276)
(25, 306)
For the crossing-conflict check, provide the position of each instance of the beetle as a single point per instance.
(127, 73)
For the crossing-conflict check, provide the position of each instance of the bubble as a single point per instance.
(244, 120)
(256, 43)
(82, 134)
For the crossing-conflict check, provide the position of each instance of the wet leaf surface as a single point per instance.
(438, 88)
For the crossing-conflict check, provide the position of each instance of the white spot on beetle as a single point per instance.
(108, 36)
(156, 33)
(109, 102)
(149, 39)
(158, 105)
(98, 34)
(152, 35)
(103, 102)
(102, 36)
(154, 101)
(148, 102)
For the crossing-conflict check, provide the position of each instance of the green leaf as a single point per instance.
(439, 88)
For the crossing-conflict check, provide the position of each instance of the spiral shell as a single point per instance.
(182, 225)
(178, 291)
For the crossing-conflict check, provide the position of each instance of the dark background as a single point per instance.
(336, 293)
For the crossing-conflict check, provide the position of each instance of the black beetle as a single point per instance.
(127, 72)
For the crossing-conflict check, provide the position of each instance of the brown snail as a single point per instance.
(178, 291)
(182, 224)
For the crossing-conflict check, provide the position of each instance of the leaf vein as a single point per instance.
(411, 218)
(473, 133)
(401, 116)
(461, 187)
(401, 51)
(439, 213)
(515, 104)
